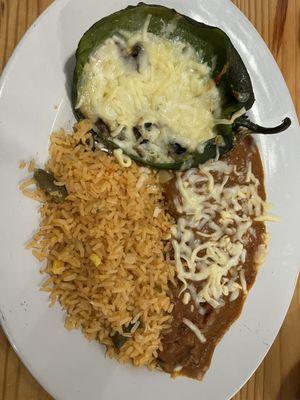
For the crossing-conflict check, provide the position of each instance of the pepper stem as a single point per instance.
(254, 128)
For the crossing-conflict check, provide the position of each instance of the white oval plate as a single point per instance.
(34, 99)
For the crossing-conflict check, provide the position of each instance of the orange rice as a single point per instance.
(104, 247)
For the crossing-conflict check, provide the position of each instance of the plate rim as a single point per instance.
(3, 77)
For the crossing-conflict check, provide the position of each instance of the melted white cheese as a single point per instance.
(234, 116)
(166, 85)
(209, 238)
(122, 159)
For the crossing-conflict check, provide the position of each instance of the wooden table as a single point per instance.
(278, 377)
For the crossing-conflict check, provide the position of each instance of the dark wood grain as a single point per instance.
(279, 24)
(278, 377)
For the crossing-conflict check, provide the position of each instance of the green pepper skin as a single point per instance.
(46, 181)
(119, 340)
(216, 49)
(213, 44)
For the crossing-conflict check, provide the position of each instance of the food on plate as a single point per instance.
(155, 265)
(218, 242)
(168, 91)
(104, 248)
(154, 261)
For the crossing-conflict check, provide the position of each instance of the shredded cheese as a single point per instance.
(194, 329)
(237, 114)
(167, 85)
(186, 298)
(122, 158)
(209, 237)
(178, 368)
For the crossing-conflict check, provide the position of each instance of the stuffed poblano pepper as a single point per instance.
(170, 92)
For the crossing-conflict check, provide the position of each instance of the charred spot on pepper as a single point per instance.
(137, 133)
(138, 54)
(132, 56)
(102, 127)
(148, 125)
(178, 149)
(136, 49)
(92, 141)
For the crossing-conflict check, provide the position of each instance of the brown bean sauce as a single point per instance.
(181, 347)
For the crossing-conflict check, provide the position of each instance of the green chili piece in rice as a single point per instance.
(46, 181)
(119, 340)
